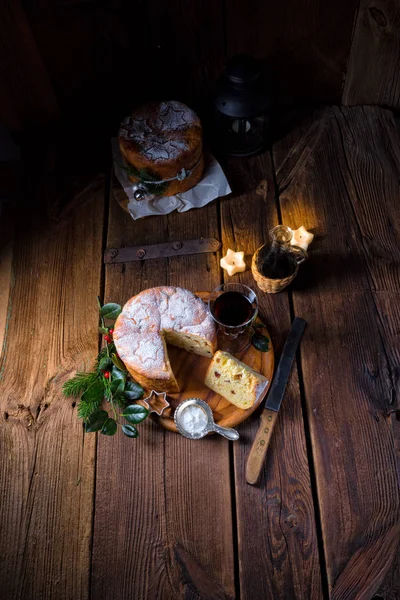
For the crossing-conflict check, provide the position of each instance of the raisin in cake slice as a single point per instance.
(234, 380)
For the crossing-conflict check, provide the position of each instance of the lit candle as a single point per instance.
(233, 262)
(302, 238)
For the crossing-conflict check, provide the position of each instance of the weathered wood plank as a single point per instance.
(278, 551)
(162, 502)
(342, 183)
(47, 466)
(372, 75)
(304, 44)
(26, 93)
(6, 249)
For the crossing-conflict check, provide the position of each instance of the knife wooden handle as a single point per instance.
(260, 445)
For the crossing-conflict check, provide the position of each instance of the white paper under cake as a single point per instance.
(213, 185)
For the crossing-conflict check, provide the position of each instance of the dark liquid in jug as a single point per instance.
(278, 265)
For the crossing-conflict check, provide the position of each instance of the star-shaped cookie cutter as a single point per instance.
(157, 402)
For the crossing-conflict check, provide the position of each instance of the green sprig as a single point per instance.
(150, 180)
(259, 341)
(78, 384)
(117, 388)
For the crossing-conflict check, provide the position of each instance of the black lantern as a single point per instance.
(241, 101)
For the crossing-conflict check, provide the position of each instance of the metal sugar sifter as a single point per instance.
(194, 420)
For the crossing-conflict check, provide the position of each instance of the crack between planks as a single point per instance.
(311, 464)
(276, 187)
(235, 534)
(313, 133)
(306, 426)
(353, 34)
(107, 195)
(231, 456)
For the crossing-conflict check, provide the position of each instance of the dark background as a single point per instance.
(89, 62)
(71, 69)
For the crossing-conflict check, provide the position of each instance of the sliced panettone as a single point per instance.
(152, 319)
(234, 380)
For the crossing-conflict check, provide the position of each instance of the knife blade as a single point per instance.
(274, 400)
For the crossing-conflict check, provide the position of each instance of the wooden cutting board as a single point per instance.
(190, 371)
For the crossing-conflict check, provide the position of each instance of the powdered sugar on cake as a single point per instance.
(158, 130)
(139, 328)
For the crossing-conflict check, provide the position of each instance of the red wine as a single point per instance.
(232, 308)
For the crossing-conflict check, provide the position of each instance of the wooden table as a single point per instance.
(164, 517)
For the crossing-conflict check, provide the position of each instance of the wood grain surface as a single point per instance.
(162, 490)
(342, 184)
(6, 251)
(304, 45)
(165, 517)
(47, 464)
(277, 542)
(372, 75)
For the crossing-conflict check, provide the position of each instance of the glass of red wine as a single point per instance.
(233, 307)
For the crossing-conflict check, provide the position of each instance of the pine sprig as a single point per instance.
(78, 384)
(86, 408)
(120, 401)
(108, 381)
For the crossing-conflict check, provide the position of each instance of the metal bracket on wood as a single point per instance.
(122, 255)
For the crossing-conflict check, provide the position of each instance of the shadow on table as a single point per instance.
(324, 270)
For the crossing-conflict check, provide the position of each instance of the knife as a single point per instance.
(270, 413)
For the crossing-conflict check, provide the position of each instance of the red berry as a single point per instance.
(106, 374)
(107, 338)
(111, 331)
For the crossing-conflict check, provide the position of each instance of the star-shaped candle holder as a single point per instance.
(156, 403)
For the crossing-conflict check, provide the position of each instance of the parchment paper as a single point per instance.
(213, 184)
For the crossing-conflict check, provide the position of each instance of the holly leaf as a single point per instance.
(103, 330)
(118, 362)
(96, 421)
(130, 431)
(116, 373)
(109, 427)
(105, 363)
(117, 386)
(118, 379)
(261, 342)
(110, 311)
(94, 392)
(133, 391)
(135, 413)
